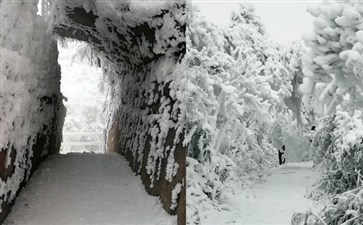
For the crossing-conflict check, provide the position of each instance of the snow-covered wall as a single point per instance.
(31, 110)
(143, 45)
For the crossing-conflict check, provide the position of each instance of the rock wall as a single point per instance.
(31, 109)
(150, 130)
(143, 46)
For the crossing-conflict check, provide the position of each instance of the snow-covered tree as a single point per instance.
(333, 78)
(333, 90)
(238, 81)
(292, 60)
(334, 64)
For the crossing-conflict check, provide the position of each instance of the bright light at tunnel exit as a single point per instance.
(82, 86)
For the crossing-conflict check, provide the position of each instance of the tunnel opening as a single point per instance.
(83, 89)
(145, 47)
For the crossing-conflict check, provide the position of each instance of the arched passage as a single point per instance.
(143, 44)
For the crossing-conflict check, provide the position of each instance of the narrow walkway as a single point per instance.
(272, 202)
(86, 189)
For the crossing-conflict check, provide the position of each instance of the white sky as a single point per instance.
(284, 20)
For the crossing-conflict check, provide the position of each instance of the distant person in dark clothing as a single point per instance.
(282, 158)
(313, 129)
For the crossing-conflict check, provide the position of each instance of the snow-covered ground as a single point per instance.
(85, 189)
(272, 202)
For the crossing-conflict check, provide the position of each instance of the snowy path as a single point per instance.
(269, 203)
(85, 189)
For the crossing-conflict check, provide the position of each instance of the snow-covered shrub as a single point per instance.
(321, 139)
(343, 158)
(337, 149)
(343, 209)
(346, 208)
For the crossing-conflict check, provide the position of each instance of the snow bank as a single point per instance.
(31, 103)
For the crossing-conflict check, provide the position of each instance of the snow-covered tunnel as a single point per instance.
(142, 44)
